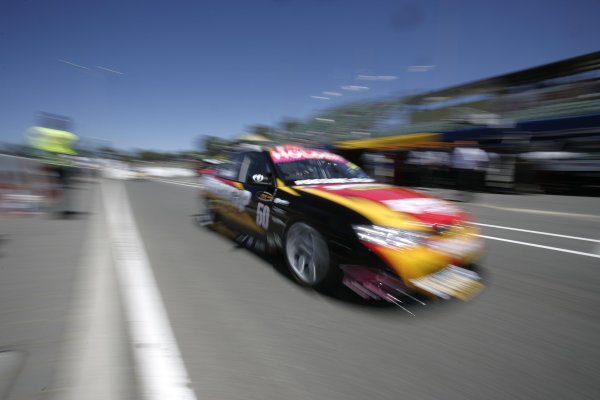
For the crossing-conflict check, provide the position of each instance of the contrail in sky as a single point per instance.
(109, 70)
(72, 64)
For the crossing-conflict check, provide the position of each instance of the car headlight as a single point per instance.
(389, 237)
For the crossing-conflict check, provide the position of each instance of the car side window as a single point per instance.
(255, 169)
(231, 169)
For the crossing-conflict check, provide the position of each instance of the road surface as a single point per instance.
(224, 322)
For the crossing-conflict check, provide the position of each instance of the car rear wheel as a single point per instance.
(307, 255)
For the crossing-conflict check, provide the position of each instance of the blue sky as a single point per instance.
(197, 67)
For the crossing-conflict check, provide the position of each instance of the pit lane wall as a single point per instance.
(26, 186)
(114, 169)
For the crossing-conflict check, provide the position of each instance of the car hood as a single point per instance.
(389, 205)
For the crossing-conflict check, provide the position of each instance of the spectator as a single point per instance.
(469, 164)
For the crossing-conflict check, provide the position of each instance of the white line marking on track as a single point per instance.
(537, 232)
(189, 184)
(159, 364)
(530, 211)
(581, 253)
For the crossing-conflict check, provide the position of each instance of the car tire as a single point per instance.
(307, 256)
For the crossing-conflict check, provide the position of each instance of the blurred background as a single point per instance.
(113, 108)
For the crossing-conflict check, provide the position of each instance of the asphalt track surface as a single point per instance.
(245, 330)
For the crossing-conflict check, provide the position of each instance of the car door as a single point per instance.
(257, 177)
(229, 194)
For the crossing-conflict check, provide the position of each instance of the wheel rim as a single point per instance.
(302, 251)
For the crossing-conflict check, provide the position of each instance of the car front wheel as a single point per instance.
(307, 255)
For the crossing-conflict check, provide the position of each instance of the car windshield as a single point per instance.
(314, 171)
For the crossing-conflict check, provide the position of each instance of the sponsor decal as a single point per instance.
(277, 200)
(458, 247)
(286, 154)
(333, 180)
(258, 178)
(238, 197)
(262, 215)
(451, 282)
(422, 206)
(357, 186)
(264, 196)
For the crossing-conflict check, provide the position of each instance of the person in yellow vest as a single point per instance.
(53, 147)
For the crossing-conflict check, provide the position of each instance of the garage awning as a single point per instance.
(390, 142)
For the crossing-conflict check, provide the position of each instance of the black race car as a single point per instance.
(333, 223)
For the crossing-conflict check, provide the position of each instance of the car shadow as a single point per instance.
(70, 214)
(419, 306)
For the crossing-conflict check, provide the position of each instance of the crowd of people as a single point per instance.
(463, 168)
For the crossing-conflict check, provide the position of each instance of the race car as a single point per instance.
(334, 224)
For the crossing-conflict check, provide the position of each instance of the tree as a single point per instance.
(289, 125)
(109, 152)
(262, 130)
(212, 145)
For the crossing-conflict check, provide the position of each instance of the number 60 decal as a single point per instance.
(262, 215)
